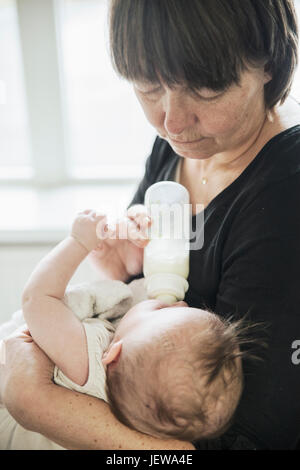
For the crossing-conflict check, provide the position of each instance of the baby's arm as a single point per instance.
(51, 323)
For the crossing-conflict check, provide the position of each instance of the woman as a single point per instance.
(213, 79)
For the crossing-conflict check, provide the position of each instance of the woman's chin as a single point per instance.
(197, 150)
(193, 154)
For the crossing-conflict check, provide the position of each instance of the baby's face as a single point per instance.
(152, 317)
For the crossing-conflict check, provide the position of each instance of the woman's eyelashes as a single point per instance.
(202, 94)
(207, 95)
(151, 95)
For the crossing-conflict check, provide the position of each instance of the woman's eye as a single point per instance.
(150, 94)
(207, 95)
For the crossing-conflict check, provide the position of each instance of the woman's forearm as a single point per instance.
(77, 421)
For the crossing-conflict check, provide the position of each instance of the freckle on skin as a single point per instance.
(90, 404)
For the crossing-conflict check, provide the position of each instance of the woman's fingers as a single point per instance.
(135, 210)
(122, 229)
(128, 229)
(139, 224)
(133, 226)
(140, 216)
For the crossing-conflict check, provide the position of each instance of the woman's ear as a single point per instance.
(267, 77)
(113, 353)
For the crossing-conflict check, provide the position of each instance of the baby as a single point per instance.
(172, 372)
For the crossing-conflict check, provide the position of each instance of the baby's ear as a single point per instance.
(113, 353)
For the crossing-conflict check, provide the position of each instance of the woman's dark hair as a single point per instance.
(205, 43)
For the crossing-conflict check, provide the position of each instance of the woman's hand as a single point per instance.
(120, 255)
(23, 367)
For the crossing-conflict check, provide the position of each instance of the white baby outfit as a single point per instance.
(100, 306)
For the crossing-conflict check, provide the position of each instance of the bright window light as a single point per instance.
(105, 124)
(14, 146)
(3, 97)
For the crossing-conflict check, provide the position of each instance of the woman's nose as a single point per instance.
(178, 115)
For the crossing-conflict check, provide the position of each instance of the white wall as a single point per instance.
(16, 264)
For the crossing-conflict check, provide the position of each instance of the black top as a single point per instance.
(250, 264)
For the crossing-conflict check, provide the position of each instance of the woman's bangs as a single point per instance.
(153, 46)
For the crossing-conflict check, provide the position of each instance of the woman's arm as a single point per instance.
(73, 420)
(77, 421)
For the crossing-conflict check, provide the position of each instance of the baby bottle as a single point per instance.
(166, 257)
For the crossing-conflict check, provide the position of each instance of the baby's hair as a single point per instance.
(184, 384)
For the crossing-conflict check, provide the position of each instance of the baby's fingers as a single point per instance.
(85, 212)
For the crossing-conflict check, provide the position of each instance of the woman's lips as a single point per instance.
(189, 142)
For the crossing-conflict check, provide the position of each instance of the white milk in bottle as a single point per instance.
(166, 257)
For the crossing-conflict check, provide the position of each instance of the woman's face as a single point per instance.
(206, 123)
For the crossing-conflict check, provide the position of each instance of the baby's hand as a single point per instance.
(84, 228)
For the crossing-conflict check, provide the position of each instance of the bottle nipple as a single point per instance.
(166, 298)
